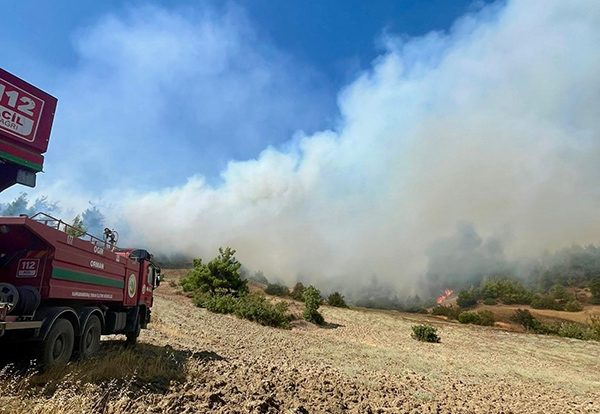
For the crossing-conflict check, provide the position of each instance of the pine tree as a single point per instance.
(312, 301)
(77, 228)
(219, 276)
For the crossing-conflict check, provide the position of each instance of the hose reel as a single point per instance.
(21, 300)
(9, 296)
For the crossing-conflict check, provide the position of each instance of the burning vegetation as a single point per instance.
(447, 293)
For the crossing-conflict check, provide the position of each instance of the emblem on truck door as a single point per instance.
(131, 286)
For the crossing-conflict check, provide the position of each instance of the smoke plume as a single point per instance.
(494, 123)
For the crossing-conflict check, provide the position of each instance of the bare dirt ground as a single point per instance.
(361, 362)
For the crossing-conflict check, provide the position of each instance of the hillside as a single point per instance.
(504, 312)
(362, 361)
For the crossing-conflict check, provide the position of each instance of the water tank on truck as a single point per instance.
(26, 116)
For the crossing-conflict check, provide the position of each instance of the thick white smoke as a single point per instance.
(495, 123)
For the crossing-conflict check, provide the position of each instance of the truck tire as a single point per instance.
(133, 336)
(89, 342)
(57, 348)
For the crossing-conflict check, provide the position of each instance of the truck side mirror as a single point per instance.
(158, 280)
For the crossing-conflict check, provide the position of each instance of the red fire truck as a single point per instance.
(64, 288)
(59, 286)
(26, 116)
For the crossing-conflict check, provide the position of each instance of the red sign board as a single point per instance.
(26, 113)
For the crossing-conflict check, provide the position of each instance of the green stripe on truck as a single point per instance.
(20, 161)
(64, 274)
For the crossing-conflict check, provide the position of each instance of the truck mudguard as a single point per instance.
(50, 315)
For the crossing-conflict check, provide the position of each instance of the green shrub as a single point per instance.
(524, 318)
(573, 306)
(298, 291)
(220, 275)
(337, 300)
(490, 301)
(469, 317)
(593, 324)
(312, 301)
(591, 331)
(200, 299)
(425, 333)
(257, 309)
(249, 306)
(588, 332)
(276, 289)
(545, 302)
(546, 328)
(313, 317)
(420, 310)
(467, 298)
(450, 312)
(506, 290)
(517, 298)
(575, 330)
(595, 301)
(559, 292)
(485, 318)
(594, 286)
(439, 310)
(215, 303)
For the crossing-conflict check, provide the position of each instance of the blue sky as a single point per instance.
(300, 53)
(336, 37)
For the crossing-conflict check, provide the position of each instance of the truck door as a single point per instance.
(148, 284)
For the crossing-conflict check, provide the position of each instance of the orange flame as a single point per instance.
(440, 299)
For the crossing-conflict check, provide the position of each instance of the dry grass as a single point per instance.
(191, 360)
(377, 340)
(116, 373)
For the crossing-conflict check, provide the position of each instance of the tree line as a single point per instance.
(91, 220)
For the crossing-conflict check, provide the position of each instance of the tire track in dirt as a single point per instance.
(366, 363)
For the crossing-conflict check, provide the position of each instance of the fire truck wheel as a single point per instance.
(89, 343)
(133, 336)
(58, 345)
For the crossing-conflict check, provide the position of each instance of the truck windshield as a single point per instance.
(151, 275)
